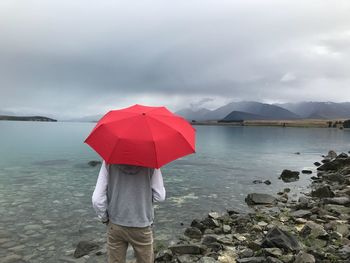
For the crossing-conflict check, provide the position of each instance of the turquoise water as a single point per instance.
(46, 184)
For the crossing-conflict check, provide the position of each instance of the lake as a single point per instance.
(46, 183)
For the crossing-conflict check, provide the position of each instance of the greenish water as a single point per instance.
(46, 184)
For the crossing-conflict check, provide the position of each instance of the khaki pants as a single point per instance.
(140, 238)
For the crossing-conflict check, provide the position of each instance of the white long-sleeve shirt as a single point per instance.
(100, 195)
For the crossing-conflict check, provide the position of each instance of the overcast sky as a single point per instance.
(68, 58)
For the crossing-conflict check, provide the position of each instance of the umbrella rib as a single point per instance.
(154, 143)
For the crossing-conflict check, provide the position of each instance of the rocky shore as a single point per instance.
(314, 228)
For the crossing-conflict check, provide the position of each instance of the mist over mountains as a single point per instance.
(252, 110)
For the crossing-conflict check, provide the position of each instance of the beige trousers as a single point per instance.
(140, 238)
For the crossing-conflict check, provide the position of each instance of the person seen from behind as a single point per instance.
(123, 199)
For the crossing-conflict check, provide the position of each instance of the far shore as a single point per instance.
(302, 123)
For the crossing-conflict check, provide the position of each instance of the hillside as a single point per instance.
(25, 118)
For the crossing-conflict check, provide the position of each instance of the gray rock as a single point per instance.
(304, 257)
(344, 252)
(289, 176)
(210, 222)
(273, 260)
(193, 232)
(301, 213)
(331, 154)
(252, 260)
(313, 230)
(246, 253)
(209, 239)
(323, 192)
(84, 248)
(267, 182)
(257, 199)
(317, 164)
(187, 249)
(281, 239)
(164, 255)
(207, 260)
(338, 200)
(187, 258)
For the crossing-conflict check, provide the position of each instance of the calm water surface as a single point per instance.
(46, 184)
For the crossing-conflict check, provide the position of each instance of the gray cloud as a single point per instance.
(71, 58)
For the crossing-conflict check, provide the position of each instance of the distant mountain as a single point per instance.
(319, 110)
(239, 116)
(267, 111)
(191, 114)
(25, 118)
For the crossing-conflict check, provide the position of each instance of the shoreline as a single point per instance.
(314, 229)
(303, 123)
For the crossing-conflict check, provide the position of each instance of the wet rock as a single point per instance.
(193, 232)
(94, 163)
(305, 171)
(317, 164)
(210, 223)
(257, 182)
(186, 249)
(323, 192)
(303, 257)
(257, 199)
(226, 229)
(197, 224)
(281, 239)
(246, 253)
(273, 260)
(334, 165)
(289, 176)
(342, 155)
(267, 182)
(84, 248)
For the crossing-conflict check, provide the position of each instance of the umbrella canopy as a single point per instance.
(142, 135)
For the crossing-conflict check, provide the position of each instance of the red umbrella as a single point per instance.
(142, 135)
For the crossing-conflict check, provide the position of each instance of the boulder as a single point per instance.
(187, 259)
(197, 224)
(317, 164)
(267, 182)
(210, 223)
(164, 255)
(323, 192)
(94, 163)
(331, 154)
(289, 176)
(85, 247)
(209, 239)
(305, 171)
(276, 237)
(260, 199)
(193, 232)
